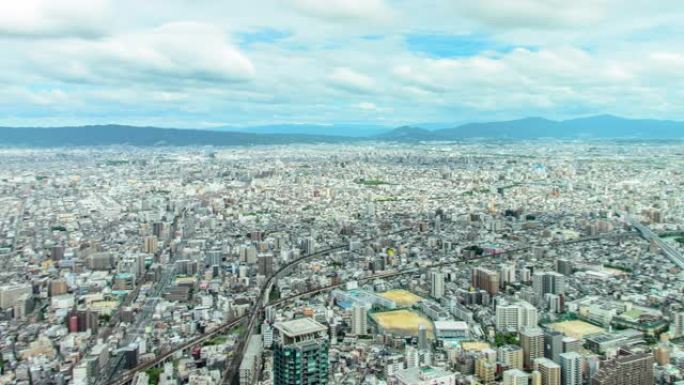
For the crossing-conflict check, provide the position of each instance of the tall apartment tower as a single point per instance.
(516, 316)
(359, 324)
(486, 280)
(571, 368)
(300, 355)
(150, 244)
(550, 371)
(437, 284)
(626, 369)
(677, 326)
(532, 342)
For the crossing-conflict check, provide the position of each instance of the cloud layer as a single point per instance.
(211, 63)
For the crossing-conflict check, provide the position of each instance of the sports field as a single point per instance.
(403, 298)
(576, 329)
(402, 322)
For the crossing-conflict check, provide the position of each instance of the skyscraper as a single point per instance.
(437, 284)
(300, 355)
(571, 368)
(626, 369)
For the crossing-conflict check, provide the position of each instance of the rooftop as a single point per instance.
(418, 374)
(299, 327)
(450, 325)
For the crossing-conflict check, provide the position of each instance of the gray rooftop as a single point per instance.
(299, 327)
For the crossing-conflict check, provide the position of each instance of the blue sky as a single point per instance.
(206, 63)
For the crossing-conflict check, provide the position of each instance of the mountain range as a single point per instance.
(595, 127)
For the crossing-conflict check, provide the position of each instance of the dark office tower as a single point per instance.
(548, 282)
(130, 356)
(553, 345)
(486, 280)
(265, 264)
(300, 356)
(626, 369)
(158, 229)
(57, 253)
(564, 266)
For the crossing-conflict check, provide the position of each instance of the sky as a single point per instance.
(210, 63)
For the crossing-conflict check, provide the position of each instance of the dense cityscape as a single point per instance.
(524, 262)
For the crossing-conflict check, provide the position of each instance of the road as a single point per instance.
(674, 255)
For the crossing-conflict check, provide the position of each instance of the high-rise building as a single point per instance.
(267, 334)
(57, 287)
(515, 377)
(511, 356)
(571, 344)
(506, 274)
(57, 253)
(265, 265)
(308, 246)
(486, 280)
(9, 294)
(158, 229)
(359, 324)
(437, 284)
(150, 244)
(251, 360)
(485, 370)
(535, 378)
(571, 368)
(553, 345)
(550, 371)
(548, 282)
(516, 316)
(677, 326)
(300, 355)
(662, 355)
(564, 266)
(423, 342)
(532, 342)
(626, 369)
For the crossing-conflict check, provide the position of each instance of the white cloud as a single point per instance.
(179, 62)
(534, 14)
(353, 81)
(175, 53)
(344, 10)
(49, 18)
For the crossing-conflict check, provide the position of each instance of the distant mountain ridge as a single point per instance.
(601, 126)
(598, 127)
